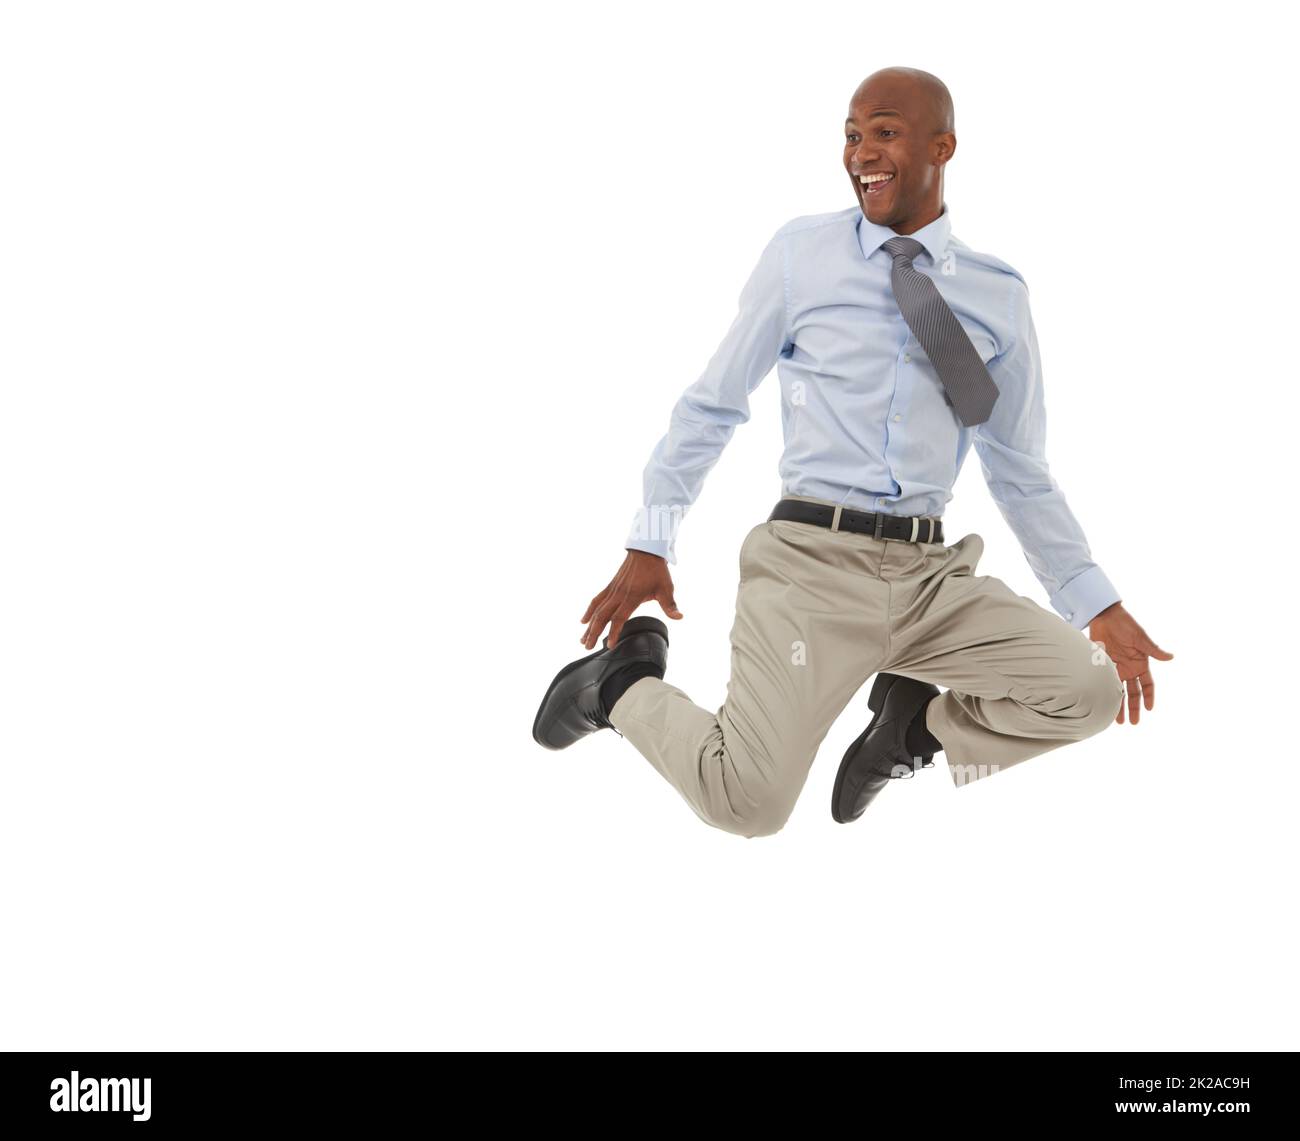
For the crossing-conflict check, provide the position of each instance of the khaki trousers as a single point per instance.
(817, 614)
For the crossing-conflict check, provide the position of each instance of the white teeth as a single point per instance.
(867, 178)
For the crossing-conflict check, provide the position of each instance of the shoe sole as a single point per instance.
(631, 626)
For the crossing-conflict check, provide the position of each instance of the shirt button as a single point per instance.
(897, 417)
(907, 358)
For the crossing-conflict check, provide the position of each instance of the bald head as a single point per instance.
(897, 139)
(928, 93)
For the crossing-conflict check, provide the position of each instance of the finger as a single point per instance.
(1155, 651)
(668, 605)
(598, 623)
(593, 604)
(1148, 689)
(1134, 701)
(616, 627)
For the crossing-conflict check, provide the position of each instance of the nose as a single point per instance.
(863, 155)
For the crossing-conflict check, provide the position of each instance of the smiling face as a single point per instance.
(897, 139)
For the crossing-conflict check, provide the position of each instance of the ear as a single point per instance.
(943, 147)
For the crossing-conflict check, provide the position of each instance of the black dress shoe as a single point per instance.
(572, 707)
(880, 754)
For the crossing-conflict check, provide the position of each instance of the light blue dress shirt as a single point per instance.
(862, 409)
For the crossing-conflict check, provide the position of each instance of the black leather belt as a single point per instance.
(913, 528)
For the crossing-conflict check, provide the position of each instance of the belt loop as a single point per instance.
(916, 526)
(931, 522)
(880, 525)
(835, 522)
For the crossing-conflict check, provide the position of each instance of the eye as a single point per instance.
(851, 138)
(888, 133)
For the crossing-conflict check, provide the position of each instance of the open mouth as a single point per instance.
(874, 183)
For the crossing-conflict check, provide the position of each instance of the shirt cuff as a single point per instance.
(654, 530)
(661, 547)
(1085, 596)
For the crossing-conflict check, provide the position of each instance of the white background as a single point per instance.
(333, 341)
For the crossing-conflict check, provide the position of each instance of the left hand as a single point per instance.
(1129, 647)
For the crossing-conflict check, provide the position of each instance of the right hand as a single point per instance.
(642, 576)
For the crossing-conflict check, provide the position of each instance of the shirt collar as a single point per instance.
(933, 237)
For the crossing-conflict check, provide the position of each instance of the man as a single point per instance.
(898, 348)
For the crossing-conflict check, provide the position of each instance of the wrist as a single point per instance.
(1111, 611)
(635, 553)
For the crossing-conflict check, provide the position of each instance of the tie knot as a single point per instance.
(903, 248)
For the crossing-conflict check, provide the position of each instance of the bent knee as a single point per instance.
(749, 791)
(1097, 697)
(1108, 696)
(765, 816)
(766, 822)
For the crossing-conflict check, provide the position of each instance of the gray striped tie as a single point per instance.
(970, 389)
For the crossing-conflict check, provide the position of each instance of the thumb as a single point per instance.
(667, 604)
(1156, 652)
